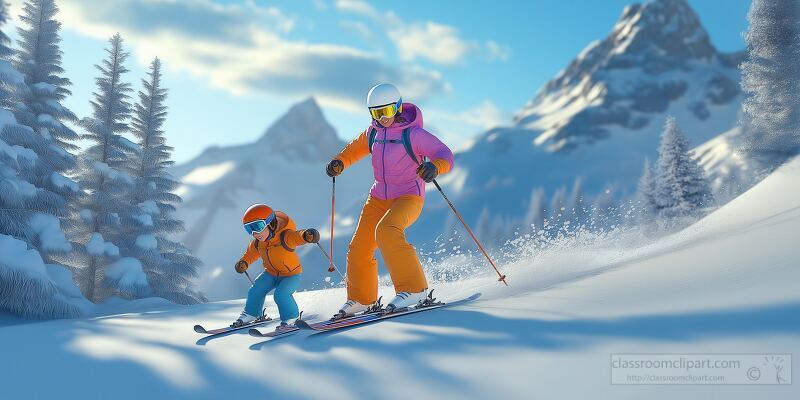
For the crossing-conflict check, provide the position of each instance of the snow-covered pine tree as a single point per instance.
(682, 189)
(38, 106)
(645, 195)
(578, 214)
(107, 185)
(604, 210)
(26, 288)
(504, 230)
(771, 82)
(168, 264)
(15, 193)
(485, 227)
(534, 217)
(558, 208)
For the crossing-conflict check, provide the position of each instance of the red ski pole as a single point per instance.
(331, 268)
(452, 207)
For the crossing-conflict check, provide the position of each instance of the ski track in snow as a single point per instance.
(728, 284)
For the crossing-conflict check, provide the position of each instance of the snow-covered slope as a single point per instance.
(728, 284)
(285, 169)
(728, 171)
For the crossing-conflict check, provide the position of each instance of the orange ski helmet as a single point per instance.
(257, 217)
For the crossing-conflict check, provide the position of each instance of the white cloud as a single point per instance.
(320, 5)
(436, 42)
(239, 48)
(498, 51)
(429, 40)
(459, 127)
(357, 7)
(359, 28)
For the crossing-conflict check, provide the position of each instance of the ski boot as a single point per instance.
(246, 318)
(352, 307)
(289, 327)
(404, 301)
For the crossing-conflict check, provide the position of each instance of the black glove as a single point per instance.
(334, 168)
(241, 266)
(311, 235)
(427, 171)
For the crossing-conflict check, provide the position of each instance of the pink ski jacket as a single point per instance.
(394, 170)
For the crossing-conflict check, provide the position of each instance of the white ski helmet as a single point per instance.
(383, 94)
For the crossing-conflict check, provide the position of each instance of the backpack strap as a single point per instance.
(406, 140)
(372, 134)
(407, 145)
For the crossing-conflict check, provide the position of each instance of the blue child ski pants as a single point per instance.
(284, 286)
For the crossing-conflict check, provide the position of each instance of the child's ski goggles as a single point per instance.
(388, 111)
(258, 226)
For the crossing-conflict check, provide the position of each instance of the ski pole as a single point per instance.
(329, 258)
(248, 277)
(331, 268)
(452, 207)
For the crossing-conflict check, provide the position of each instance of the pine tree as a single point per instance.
(771, 82)
(604, 210)
(558, 208)
(29, 202)
(485, 227)
(168, 264)
(534, 218)
(647, 191)
(26, 223)
(106, 185)
(681, 187)
(39, 107)
(577, 205)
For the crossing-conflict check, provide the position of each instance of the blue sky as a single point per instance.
(234, 66)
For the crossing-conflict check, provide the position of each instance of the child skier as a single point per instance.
(274, 240)
(399, 146)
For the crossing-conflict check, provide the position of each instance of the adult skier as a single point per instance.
(399, 147)
(275, 238)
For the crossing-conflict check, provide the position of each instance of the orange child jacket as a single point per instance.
(277, 253)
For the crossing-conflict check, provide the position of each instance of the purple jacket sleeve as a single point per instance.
(424, 143)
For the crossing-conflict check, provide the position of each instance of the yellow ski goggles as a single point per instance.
(388, 111)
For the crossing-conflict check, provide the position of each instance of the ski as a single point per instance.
(257, 333)
(211, 332)
(328, 326)
(289, 329)
(376, 308)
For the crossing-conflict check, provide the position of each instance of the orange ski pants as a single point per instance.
(382, 225)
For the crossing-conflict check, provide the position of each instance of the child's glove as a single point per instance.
(241, 266)
(311, 235)
(334, 168)
(427, 171)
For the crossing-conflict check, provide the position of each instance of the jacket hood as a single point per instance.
(411, 117)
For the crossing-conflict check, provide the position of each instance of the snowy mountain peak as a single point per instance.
(657, 55)
(302, 133)
(668, 27)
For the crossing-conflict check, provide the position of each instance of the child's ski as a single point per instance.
(328, 326)
(200, 329)
(256, 333)
(278, 332)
